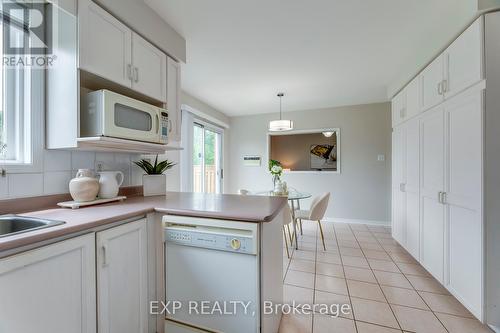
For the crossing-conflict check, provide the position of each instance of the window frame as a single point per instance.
(29, 125)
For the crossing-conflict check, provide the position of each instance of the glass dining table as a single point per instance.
(294, 198)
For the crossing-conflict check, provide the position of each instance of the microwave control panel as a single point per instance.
(164, 127)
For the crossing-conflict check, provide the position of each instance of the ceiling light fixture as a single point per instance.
(328, 133)
(281, 124)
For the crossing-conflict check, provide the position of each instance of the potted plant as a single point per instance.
(154, 182)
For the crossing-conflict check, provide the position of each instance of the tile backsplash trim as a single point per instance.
(60, 166)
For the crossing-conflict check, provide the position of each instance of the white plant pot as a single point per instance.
(154, 185)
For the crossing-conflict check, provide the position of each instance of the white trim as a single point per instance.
(309, 131)
(356, 221)
(203, 115)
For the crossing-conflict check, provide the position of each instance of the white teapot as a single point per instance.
(109, 183)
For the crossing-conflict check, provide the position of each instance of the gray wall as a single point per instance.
(360, 191)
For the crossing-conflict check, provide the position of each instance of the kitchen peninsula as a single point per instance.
(121, 245)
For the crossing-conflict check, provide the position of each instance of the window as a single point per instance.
(21, 98)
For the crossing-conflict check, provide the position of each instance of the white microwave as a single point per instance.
(106, 113)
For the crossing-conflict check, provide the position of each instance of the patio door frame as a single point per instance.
(219, 186)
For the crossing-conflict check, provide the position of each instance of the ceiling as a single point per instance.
(321, 53)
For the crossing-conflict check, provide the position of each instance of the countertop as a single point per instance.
(253, 209)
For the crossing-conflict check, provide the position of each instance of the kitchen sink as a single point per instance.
(13, 224)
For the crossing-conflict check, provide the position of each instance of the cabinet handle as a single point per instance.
(104, 255)
(402, 187)
(136, 74)
(444, 86)
(440, 197)
(440, 88)
(129, 72)
(443, 198)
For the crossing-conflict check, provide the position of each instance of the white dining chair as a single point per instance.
(315, 213)
(287, 219)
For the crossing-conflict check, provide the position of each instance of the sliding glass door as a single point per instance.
(207, 158)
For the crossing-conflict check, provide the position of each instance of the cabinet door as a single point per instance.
(122, 279)
(412, 187)
(174, 98)
(104, 44)
(57, 282)
(463, 198)
(398, 195)
(149, 69)
(398, 108)
(413, 102)
(432, 183)
(464, 60)
(431, 78)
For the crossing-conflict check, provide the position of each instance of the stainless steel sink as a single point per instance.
(13, 224)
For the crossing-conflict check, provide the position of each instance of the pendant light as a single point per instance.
(281, 124)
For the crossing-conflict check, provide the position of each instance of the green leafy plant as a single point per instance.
(157, 168)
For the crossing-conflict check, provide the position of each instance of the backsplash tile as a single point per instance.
(56, 182)
(59, 167)
(4, 187)
(56, 160)
(25, 185)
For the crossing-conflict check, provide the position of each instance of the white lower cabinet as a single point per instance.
(437, 194)
(431, 186)
(412, 187)
(50, 289)
(398, 179)
(463, 200)
(122, 287)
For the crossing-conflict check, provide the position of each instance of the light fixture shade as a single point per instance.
(280, 125)
(328, 134)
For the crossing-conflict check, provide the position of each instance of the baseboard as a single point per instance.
(356, 221)
(494, 328)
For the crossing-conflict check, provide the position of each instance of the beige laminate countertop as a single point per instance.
(254, 209)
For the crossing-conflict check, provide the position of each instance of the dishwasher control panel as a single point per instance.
(210, 240)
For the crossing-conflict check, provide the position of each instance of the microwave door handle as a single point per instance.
(157, 124)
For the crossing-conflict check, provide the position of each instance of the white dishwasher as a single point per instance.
(211, 275)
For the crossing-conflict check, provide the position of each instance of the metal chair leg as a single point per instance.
(286, 243)
(322, 236)
(290, 234)
(295, 233)
(300, 225)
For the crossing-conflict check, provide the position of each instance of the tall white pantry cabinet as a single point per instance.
(446, 166)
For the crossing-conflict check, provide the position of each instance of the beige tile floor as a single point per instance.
(387, 290)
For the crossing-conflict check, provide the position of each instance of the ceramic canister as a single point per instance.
(84, 187)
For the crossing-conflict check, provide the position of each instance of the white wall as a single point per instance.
(59, 167)
(360, 191)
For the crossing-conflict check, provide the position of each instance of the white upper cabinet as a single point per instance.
(407, 104)
(109, 49)
(57, 281)
(174, 98)
(464, 65)
(104, 44)
(149, 73)
(432, 83)
(122, 285)
(398, 108)
(413, 101)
